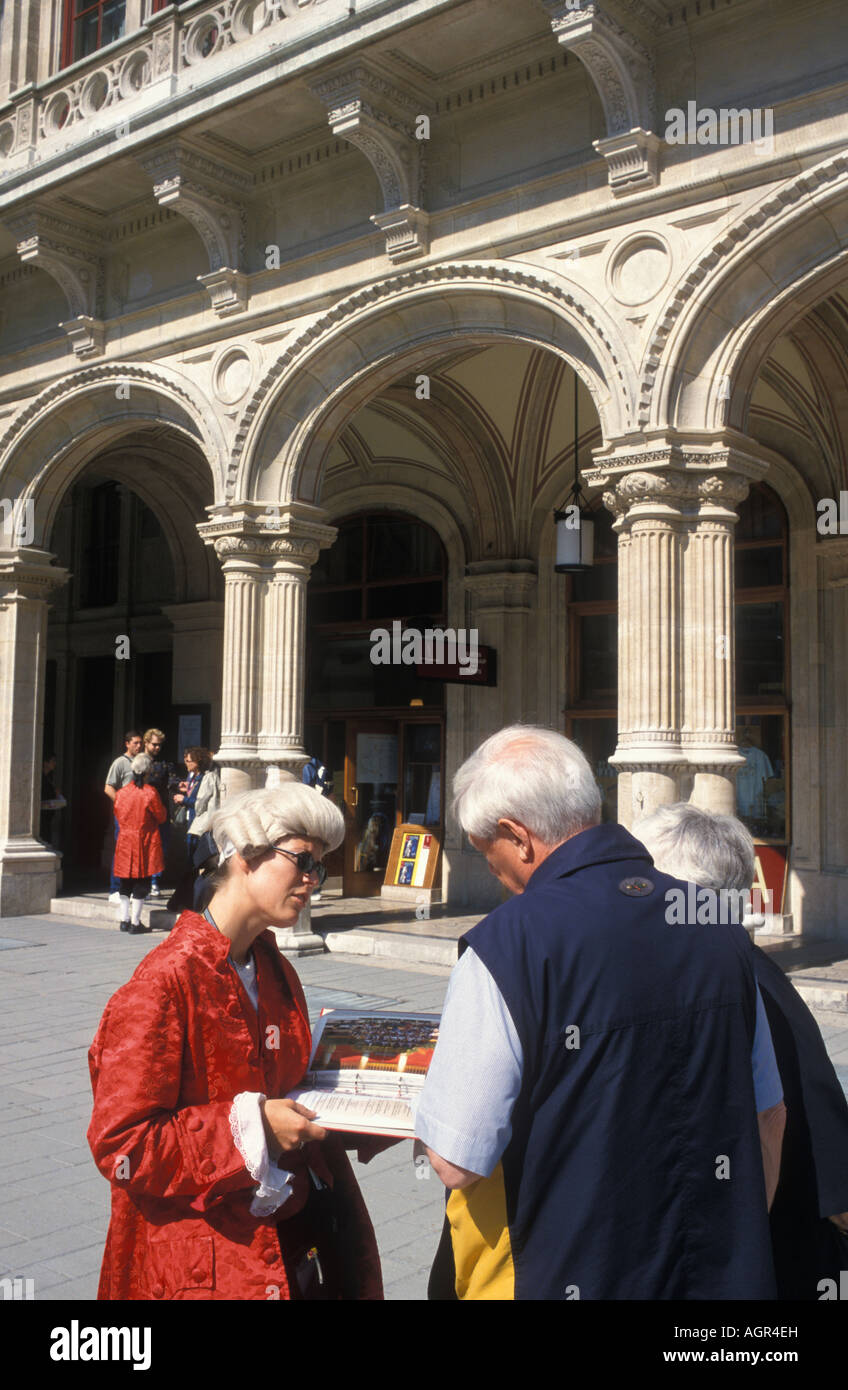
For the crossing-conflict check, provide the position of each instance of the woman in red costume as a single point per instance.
(138, 852)
(222, 1189)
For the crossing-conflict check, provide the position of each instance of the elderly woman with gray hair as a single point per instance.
(221, 1187)
(809, 1215)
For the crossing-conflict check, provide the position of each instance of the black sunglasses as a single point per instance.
(305, 863)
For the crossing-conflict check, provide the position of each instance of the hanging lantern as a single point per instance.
(575, 534)
(575, 529)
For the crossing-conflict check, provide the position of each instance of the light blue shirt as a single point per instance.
(465, 1110)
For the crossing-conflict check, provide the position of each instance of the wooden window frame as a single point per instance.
(70, 19)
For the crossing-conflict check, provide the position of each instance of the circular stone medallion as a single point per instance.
(639, 268)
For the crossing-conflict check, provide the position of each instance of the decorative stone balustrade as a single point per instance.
(113, 81)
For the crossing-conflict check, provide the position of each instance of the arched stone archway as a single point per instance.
(404, 324)
(58, 432)
(765, 271)
(114, 417)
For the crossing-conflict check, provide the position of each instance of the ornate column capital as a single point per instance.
(503, 586)
(251, 535)
(832, 555)
(377, 113)
(29, 574)
(209, 194)
(675, 480)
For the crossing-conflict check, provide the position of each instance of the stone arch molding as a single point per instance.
(62, 427)
(766, 270)
(376, 334)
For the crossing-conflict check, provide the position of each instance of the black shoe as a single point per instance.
(125, 926)
(136, 929)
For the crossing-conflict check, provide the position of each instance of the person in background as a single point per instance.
(138, 853)
(207, 796)
(184, 798)
(809, 1216)
(118, 776)
(594, 1095)
(192, 889)
(163, 776)
(316, 775)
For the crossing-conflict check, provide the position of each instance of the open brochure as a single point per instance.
(367, 1070)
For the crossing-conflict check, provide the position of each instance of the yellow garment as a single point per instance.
(480, 1236)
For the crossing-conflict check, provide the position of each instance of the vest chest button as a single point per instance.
(269, 1256)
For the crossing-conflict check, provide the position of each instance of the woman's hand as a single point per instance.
(287, 1126)
(178, 799)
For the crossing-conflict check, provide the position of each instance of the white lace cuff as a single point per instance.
(249, 1134)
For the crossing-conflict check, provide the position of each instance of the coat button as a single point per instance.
(269, 1256)
(198, 1276)
(159, 1291)
(195, 1123)
(636, 887)
(208, 1167)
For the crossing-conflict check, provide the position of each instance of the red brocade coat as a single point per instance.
(139, 813)
(175, 1046)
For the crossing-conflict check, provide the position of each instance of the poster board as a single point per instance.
(413, 858)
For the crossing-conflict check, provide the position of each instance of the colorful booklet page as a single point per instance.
(367, 1070)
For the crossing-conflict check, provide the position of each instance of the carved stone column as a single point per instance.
(28, 869)
(281, 732)
(675, 509)
(266, 562)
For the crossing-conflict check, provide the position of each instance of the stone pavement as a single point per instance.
(55, 979)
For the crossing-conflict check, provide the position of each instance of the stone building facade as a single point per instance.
(311, 308)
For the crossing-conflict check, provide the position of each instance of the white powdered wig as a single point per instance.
(530, 775)
(711, 850)
(254, 821)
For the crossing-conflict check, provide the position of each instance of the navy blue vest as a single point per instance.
(634, 1170)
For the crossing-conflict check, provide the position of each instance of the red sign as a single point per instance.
(486, 673)
(770, 869)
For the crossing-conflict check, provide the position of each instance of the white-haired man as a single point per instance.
(591, 1101)
(809, 1216)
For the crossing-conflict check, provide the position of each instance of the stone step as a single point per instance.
(99, 912)
(394, 945)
